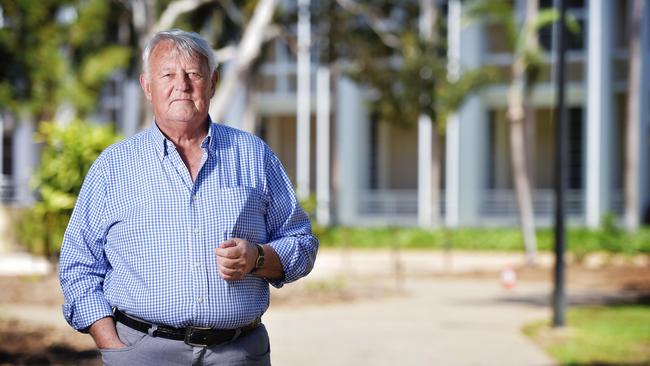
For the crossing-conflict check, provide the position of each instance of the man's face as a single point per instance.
(179, 88)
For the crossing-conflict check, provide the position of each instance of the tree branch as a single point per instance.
(377, 24)
(233, 13)
(174, 10)
(227, 53)
(247, 51)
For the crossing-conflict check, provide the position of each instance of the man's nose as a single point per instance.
(182, 81)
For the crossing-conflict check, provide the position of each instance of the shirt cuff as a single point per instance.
(297, 256)
(86, 310)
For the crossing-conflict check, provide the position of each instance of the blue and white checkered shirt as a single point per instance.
(142, 234)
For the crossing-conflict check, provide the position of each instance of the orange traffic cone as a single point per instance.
(508, 278)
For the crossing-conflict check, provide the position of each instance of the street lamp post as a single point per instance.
(559, 301)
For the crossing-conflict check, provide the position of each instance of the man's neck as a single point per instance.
(185, 135)
(188, 138)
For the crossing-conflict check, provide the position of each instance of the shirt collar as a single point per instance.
(163, 145)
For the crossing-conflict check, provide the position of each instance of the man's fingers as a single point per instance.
(230, 274)
(228, 243)
(231, 253)
(229, 271)
(232, 258)
(230, 263)
(231, 248)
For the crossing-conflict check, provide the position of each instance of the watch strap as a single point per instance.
(259, 262)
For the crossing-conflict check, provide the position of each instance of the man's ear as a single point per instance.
(146, 87)
(213, 83)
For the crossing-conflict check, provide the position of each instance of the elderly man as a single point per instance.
(178, 230)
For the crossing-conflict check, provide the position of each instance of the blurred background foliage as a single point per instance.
(407, 74)
(60, 50)
(68, 152)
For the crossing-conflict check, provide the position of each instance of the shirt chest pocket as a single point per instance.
(241, 213)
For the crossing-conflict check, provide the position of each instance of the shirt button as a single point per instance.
(197, 231)
(199, 299)
(195, 197)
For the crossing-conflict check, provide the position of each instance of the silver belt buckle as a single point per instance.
(189, 331)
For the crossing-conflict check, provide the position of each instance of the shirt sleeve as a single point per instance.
(82, 263)
(288, 225)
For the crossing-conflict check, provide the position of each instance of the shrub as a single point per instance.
(68, 152)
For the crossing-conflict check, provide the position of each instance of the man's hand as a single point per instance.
(235, 258)
(104, 333)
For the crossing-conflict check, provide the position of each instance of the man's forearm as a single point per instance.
(104, 334)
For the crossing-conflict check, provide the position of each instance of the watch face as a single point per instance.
(260, 258)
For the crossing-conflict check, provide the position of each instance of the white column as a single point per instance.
(599, 113)
(472, 136)
(425, 149)
(352, 149)
(472, 165)
(250, 117)
(425, 133)
(452, 136)
(233, 115)
(303, 107)
(131, 108)
(323, 146)
(644, 156)
(25, 155)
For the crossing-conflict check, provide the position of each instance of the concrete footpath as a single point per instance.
(432, 321)
(435, 323)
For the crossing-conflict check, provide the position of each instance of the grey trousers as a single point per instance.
(251, 349)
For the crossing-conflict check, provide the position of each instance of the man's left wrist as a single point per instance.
(259, 261)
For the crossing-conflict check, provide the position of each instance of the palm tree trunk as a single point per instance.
(518, 138)
(633, 130)
(520, 170)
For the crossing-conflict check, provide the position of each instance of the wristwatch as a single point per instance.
(259, 262)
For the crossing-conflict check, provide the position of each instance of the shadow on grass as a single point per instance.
(581, 298)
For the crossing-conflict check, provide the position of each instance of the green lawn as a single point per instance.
(579, 240)
(611, 335)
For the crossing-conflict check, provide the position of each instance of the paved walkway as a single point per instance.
(437, 322)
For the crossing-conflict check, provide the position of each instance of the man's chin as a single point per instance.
(190, 118)
(183, 116)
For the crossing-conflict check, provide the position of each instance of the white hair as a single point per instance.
(189, 44)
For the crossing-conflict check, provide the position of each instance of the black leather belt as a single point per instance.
(193, 336)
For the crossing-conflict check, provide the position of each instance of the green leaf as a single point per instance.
(545, 18)
(96, 68)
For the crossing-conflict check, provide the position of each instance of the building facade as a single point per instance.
(374, 166)
(363, 172)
